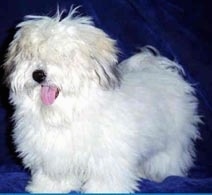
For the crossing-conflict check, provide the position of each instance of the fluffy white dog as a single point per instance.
(84, 123)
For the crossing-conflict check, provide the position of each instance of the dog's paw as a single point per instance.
(42, 184)
(46, 188)
(93, 186)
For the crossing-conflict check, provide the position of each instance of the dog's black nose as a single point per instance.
(39, 76)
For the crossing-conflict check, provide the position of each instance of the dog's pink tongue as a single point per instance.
(48, 94)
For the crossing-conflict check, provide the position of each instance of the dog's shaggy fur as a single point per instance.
(84, 123)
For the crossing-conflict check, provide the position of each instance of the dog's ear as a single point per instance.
(9, 64)
(108, 76)
(104, 61)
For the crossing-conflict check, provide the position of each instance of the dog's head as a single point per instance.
(54, 55)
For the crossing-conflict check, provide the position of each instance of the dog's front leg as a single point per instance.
(112, 176)
(42, 183)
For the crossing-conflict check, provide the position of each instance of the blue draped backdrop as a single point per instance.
(179, 29)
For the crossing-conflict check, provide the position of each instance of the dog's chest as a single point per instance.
(64, 149)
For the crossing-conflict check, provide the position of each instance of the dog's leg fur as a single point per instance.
(41, 183)
(112, 177)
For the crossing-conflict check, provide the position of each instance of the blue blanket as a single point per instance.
(179, 29)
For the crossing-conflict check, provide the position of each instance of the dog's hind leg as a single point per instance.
(174, 161)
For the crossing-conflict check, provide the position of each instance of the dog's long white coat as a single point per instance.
(105, 130)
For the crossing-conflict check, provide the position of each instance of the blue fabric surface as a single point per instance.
(179, 29)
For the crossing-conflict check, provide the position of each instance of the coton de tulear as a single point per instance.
(85, 123)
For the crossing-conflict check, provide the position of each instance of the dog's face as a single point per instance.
(50, 56)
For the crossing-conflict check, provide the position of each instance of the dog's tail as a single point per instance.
(149, 58)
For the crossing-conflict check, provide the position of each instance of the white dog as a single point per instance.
(84, 123)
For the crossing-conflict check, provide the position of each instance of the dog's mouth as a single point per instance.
(49, 93)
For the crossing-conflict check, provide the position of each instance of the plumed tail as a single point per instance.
(150, 58)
